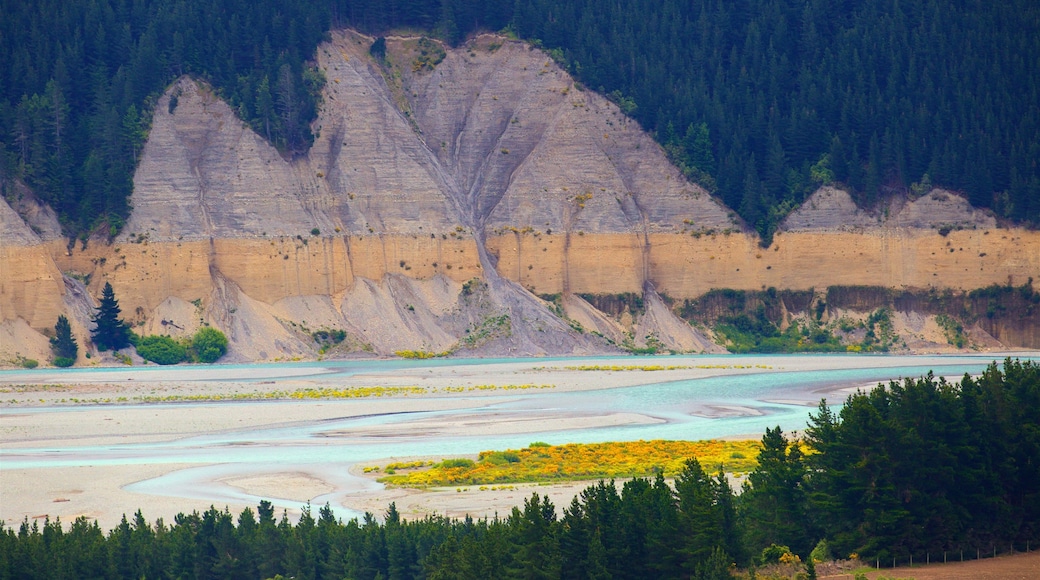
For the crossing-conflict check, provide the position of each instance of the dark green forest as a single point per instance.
(760, 101)
(918, 467)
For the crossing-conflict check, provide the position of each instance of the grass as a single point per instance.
(328, 393)
(581, 462)
(650, 368)
(421, 354)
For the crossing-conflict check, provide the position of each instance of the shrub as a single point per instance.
(64, 361)
(421, 354)
(209, 344)
(449, 463)
(161, 349)
(501, 457)
(774, 554)
(28, 363)
(821, 553)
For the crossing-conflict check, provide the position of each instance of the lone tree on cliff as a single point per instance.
(63, 345)
(109, 332)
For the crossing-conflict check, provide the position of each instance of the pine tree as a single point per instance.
(63, 345)
(775, 503)
(110, 332)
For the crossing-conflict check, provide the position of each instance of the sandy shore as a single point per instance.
(89, 417)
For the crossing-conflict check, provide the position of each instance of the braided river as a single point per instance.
(188, 451)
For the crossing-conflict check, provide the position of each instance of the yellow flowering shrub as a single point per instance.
(649, 368)
(585, 461)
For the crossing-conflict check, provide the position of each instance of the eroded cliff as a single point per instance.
(463, 200)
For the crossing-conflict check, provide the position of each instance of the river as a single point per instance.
(324, 438)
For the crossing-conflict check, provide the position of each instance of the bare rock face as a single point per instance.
(446, 187)
(375, 172)
(523, 146)
(204, 173)
(659, 325)
(828, 208)
(13, 230)
(477, 140)
(36, 215)
(833, 209)
(941, 208)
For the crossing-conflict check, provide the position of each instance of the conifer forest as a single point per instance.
(920, 467)
(759, 101)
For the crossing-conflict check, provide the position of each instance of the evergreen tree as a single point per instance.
(110, 332)
(775, 503)
(63, 345)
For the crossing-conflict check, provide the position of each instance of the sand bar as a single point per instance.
(74, 444)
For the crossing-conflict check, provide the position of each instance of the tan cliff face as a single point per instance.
(683, 266)
(443, 193)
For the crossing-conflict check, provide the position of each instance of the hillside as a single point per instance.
(759, 101)
(478, 200)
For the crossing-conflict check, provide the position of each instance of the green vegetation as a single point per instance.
(856, 318)
(473, 285)
(914, 468)
(880, 335)
(756, 333)
(759, 101)
(767, 99)
(616, 304)
(81, 81)
(430, 54)
(953, 330)
(110, 331)
(328, 338)
(646, 528)
(491, 328)
(208, 345)
(581, 462)
(420, 354)
(26, 363)
(161, 349)
(63, 344)
(895, 458)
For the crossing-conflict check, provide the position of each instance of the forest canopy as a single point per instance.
(917, 467)
(760, 101)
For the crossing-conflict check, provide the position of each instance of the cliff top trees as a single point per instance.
(110, 332)
(759, 101)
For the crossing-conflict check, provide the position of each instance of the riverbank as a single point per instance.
(103, 442)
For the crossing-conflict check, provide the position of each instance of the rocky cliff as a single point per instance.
(474, 200)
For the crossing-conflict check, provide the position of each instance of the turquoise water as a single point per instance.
(686, 409)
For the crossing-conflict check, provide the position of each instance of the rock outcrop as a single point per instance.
(446, 190)
(831, 209)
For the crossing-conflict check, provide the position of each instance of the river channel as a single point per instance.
(705, 397)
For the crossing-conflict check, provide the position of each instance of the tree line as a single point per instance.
(920, 466)
(760, 101)
(111, 332)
